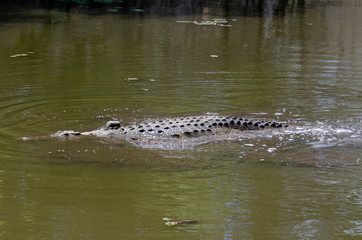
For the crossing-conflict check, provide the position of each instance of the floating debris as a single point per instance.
(132, 79)
(22, 54)
(214, 55)
(173, 222)
(215, 22)
(19, 55)
(221, 21)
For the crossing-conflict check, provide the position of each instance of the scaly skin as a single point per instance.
(177, 127)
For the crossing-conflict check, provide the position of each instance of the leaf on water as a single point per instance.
(173, 222)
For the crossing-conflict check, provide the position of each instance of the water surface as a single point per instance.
(62, 71)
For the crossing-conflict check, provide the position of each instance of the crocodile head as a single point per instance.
(113, 124)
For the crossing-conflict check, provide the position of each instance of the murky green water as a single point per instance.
(73, 71)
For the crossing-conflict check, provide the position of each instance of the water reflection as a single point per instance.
(91, 56)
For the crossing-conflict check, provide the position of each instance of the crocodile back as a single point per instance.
(195, 126)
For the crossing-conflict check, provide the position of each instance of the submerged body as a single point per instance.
(177, 127)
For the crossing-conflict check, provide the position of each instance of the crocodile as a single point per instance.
(176, 127)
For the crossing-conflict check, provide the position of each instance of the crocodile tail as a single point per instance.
(245, 124)
(261, 125)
